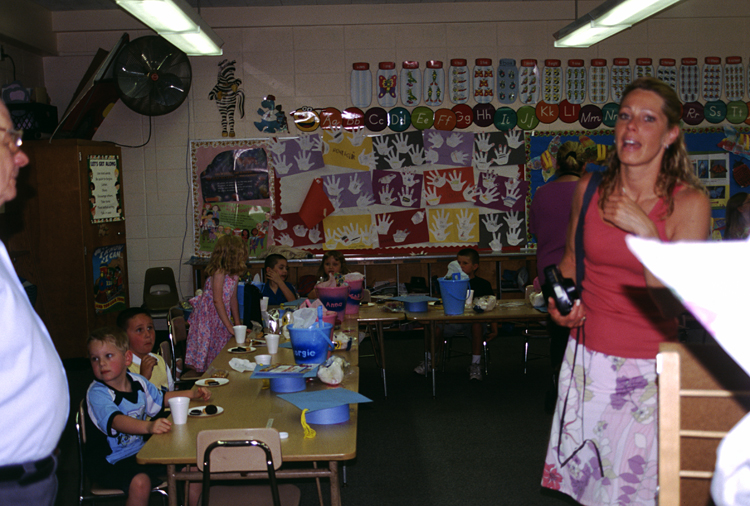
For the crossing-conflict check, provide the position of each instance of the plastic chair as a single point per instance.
(235, 452)
(448, 349)
(87, 489)
(160, 291)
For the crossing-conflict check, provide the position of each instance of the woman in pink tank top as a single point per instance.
(603, 447)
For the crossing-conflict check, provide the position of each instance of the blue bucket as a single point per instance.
(454, 292)
(310, 346)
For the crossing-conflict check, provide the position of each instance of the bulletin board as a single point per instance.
(403, 193)
(232, 182)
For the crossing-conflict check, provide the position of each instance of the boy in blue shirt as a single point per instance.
(118, 403)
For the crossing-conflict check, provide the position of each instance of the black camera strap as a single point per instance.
(596, 178)
(593, 184)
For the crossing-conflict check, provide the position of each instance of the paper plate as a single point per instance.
(200, 412)
(212, 382)
(241, 349)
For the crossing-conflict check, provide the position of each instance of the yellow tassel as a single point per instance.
(309, 431)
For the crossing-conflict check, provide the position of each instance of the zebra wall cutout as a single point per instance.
(228, 95)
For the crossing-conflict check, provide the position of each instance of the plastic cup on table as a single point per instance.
(179, 407)
(263, 359)
(264, 304)
(272, 341)
(240, 333)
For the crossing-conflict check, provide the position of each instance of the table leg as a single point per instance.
(335, 487)
(172, 484)
(381, 344)
(433, 333)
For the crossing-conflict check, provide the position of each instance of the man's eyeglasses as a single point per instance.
(16, 139)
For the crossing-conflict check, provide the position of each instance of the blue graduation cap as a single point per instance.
(327, 406)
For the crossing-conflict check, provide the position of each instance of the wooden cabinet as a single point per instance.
(49, 231)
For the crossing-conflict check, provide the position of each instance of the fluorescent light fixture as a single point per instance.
(606, 20)
(177, 22)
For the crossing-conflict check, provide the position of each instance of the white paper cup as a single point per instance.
(264, 304)
(240, 333)
(263, 359)
(272, 340)
(179, 407)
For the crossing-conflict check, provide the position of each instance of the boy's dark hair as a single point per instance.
(123, 319)
(272, 260)
(471, 253)
(114, 335)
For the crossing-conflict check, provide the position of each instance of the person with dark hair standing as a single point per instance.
(738, 217)
(548, 221)
(603, 442)
(34, 401)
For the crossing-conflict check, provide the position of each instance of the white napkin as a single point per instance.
(242, 365)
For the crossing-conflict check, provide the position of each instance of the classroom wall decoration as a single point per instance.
(108, 264)
(232, 182)
(228, 96)
(105, 188)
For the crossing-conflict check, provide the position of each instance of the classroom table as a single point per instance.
(376, 315)
(505, 311)
(246, 404)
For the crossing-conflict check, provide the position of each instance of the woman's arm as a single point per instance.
(217, 286)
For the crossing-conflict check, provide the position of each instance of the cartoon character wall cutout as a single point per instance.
(272, 117)
(228, 96)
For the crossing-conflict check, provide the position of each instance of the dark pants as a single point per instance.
(29, 483)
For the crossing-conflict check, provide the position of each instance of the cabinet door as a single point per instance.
(100, 167)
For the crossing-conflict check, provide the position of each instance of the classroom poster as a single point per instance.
(105, 194)
(231, 193)
(712, 170)
(108, 265)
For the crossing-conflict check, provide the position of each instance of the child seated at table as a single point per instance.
(333, 262)
(468, 259)
(276, 288)
(117, 404)
(139, 327)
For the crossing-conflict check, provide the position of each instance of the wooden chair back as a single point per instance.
(703, 393)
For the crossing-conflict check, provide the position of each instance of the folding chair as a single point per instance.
(702, 395)
(159, 291)
(87, 489)
(229, 454)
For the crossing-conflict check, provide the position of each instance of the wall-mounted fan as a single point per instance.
(152, 76)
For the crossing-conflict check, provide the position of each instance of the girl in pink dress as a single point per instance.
(210, 323)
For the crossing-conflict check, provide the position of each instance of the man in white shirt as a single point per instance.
(34, 399)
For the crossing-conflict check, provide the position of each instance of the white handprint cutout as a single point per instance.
(393, 160)
(459, 157)
(314, 235)
(406, 197)
(512, 219)
(496, 244)
(332, 186)
(513, 237)
(502, 154)
(365, 200)
(431, 196)
(483, 142)
(417, 217)
(432, 156)
(303, 161)
(400, 142)
(355, 185)
(280, 223)
(357, 137)
(380, 144)
(465, 225)
(300, 230)
(384, 223)
(386, 195)
(480, 160)
(276, 146)
(513, 138)
(408, 179)
(439, 227)
(417, 155)
(470, 192)
(454, 139)
(306, 142)
(489, 196)
(455, 181)
(491, 222)
(367, 159)
(435, 139)
(489, 180)
(400, 235)
(285, 240)
(436, 179)
(281, 166)
(337, 135)
(512, 192)
(387, 179)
